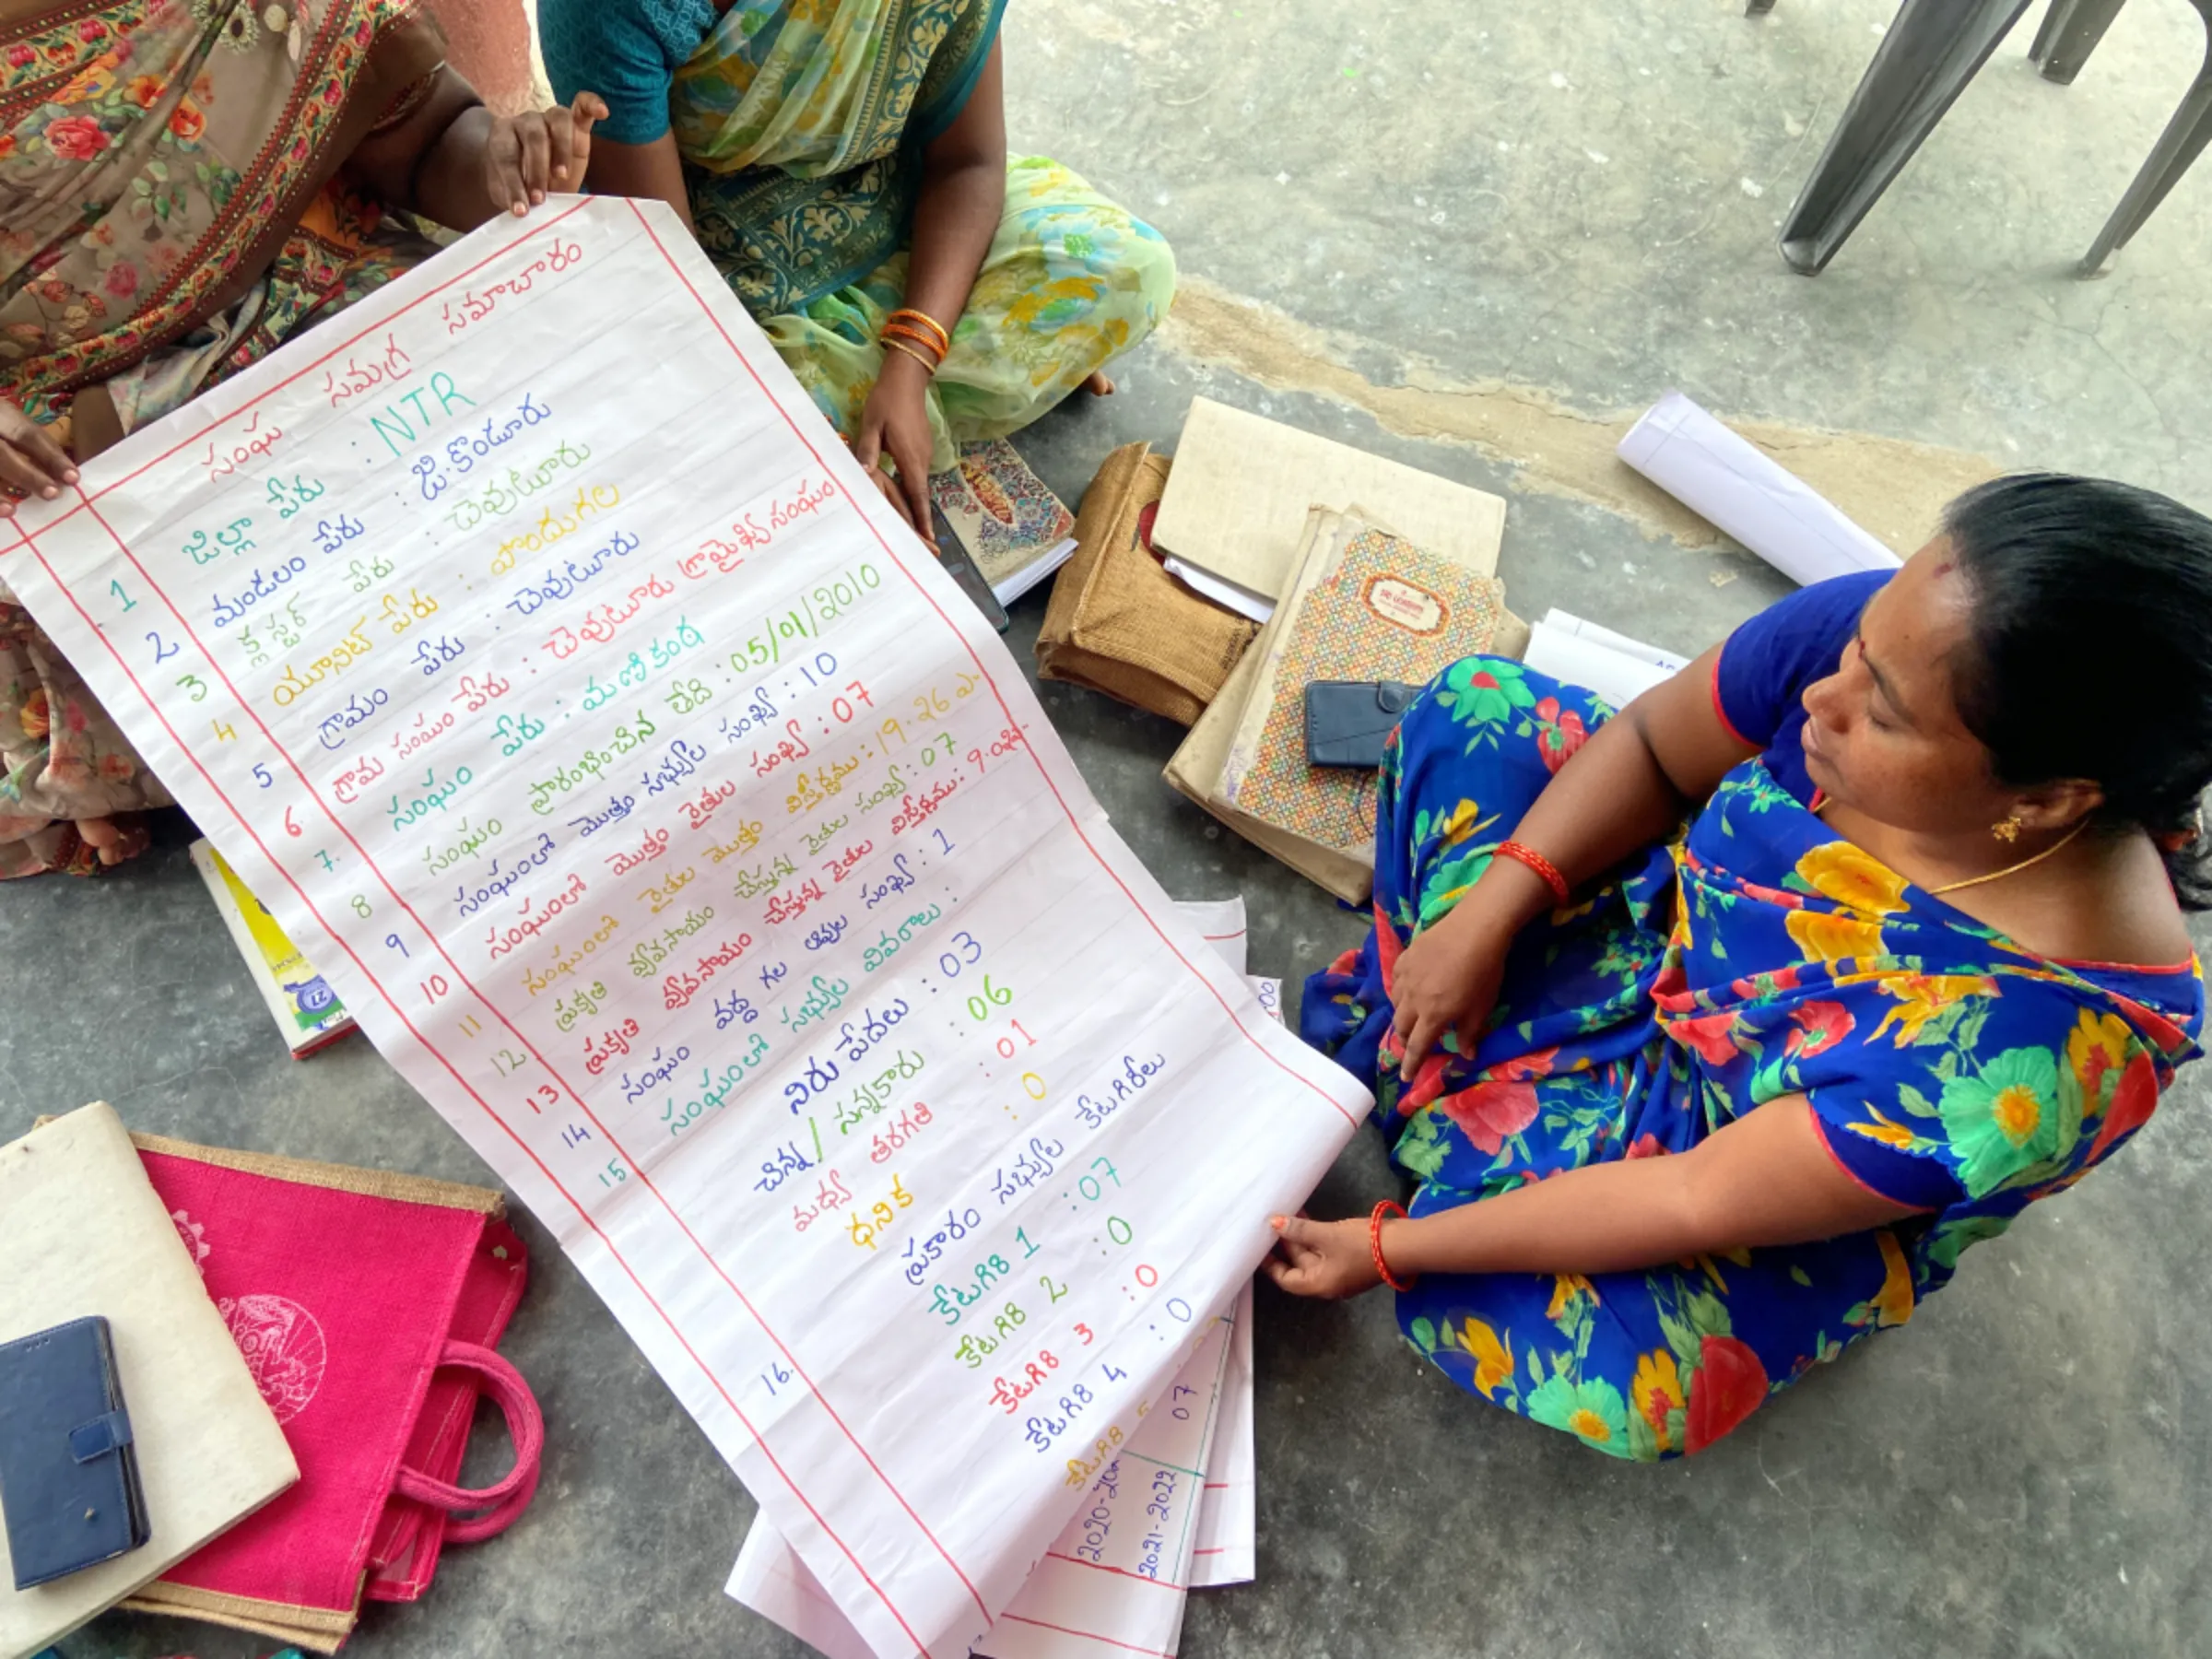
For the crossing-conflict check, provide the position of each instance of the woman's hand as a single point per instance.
(527, 154)
(895, 423)
(1447, 981)
(30, 461)
(1328, 1259)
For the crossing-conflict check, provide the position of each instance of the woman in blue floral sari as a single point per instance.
(1689, 1110)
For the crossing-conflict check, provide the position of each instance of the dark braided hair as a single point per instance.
(2091, 651)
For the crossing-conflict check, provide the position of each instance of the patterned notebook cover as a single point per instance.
(1366, 606)
(1001, 511)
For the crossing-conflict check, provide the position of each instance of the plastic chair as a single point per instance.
(2070, 32)
(1924, 63)
(1933, 49)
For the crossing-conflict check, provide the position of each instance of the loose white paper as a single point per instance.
(1583, 653)
(1073, 1607)
(527, 639)
(1738, 488)
(1220, 923)
(1227, 1544)
(1225, 594)
(1117, 1577)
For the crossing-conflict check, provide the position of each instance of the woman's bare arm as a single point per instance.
(652, 170)
(456, 162)
(1765, 1179)
(1621, 791)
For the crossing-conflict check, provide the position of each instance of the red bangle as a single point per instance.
(1374, 1245)
(1543, 866)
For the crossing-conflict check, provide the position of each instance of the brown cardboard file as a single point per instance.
(1235, 505)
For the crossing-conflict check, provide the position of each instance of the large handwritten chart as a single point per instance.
(527, 642)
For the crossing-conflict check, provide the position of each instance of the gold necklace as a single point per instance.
(2011, 869)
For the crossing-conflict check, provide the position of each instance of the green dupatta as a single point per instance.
(801, 123)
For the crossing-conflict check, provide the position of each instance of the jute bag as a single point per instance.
(1118, 622)
(368, 1305)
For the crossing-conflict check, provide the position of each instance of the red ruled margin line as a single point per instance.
(86, 503)
(891, 553)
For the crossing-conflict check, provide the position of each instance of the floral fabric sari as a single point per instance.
(802, 123)
(1760, 956)
(168, 215)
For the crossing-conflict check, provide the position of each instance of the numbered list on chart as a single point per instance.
(529, 643)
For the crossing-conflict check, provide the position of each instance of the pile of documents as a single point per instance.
(1361, 569)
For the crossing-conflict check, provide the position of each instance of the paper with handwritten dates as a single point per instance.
(529, 643)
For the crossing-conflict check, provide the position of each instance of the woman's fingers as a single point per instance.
(38, 443)
(572, 140)
(503, 175)
(18, 471)
(913, 480)
(867, 448)
(536, 158)
(891, 493)
(1426, 1029)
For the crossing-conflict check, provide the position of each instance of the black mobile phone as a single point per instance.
(1349, 721)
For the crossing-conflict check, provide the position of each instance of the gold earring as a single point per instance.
(2007, 830)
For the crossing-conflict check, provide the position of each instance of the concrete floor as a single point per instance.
(1561, 209)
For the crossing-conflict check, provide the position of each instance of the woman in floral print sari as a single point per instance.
(182, 187)
(844, 163)
(1691, 1111)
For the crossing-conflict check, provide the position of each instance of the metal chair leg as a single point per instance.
(2070, 32)
(2177, 146)
(1924, 63)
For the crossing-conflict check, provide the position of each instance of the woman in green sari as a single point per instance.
(844, 163)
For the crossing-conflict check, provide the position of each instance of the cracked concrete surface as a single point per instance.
(1476, 237)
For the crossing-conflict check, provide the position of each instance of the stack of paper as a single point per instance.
(1234, 512)
(1582, 653)
(1173, 1509)
(665, 815)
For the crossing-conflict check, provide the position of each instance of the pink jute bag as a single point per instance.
(368, 1306)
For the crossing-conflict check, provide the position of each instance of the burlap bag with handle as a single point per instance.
(1118, 622)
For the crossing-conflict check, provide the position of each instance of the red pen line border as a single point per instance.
(1126, 1647)
(1074, 823)
(1053, 1555)
(409, 1022)
(86, 503)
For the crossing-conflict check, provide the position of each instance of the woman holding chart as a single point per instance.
(183, 188)
(1689, 1110)
(844, 163)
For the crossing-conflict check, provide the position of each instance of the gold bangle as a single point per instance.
(900, 331)
(929, 367)
(944, 340)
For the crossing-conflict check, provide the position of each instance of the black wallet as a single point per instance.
(1347, 721)
(68, 1478)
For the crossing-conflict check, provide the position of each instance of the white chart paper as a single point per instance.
(525, 638)
(1227, 1544)
(1071, 1607)
(1737, 487)
(1583, 653)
